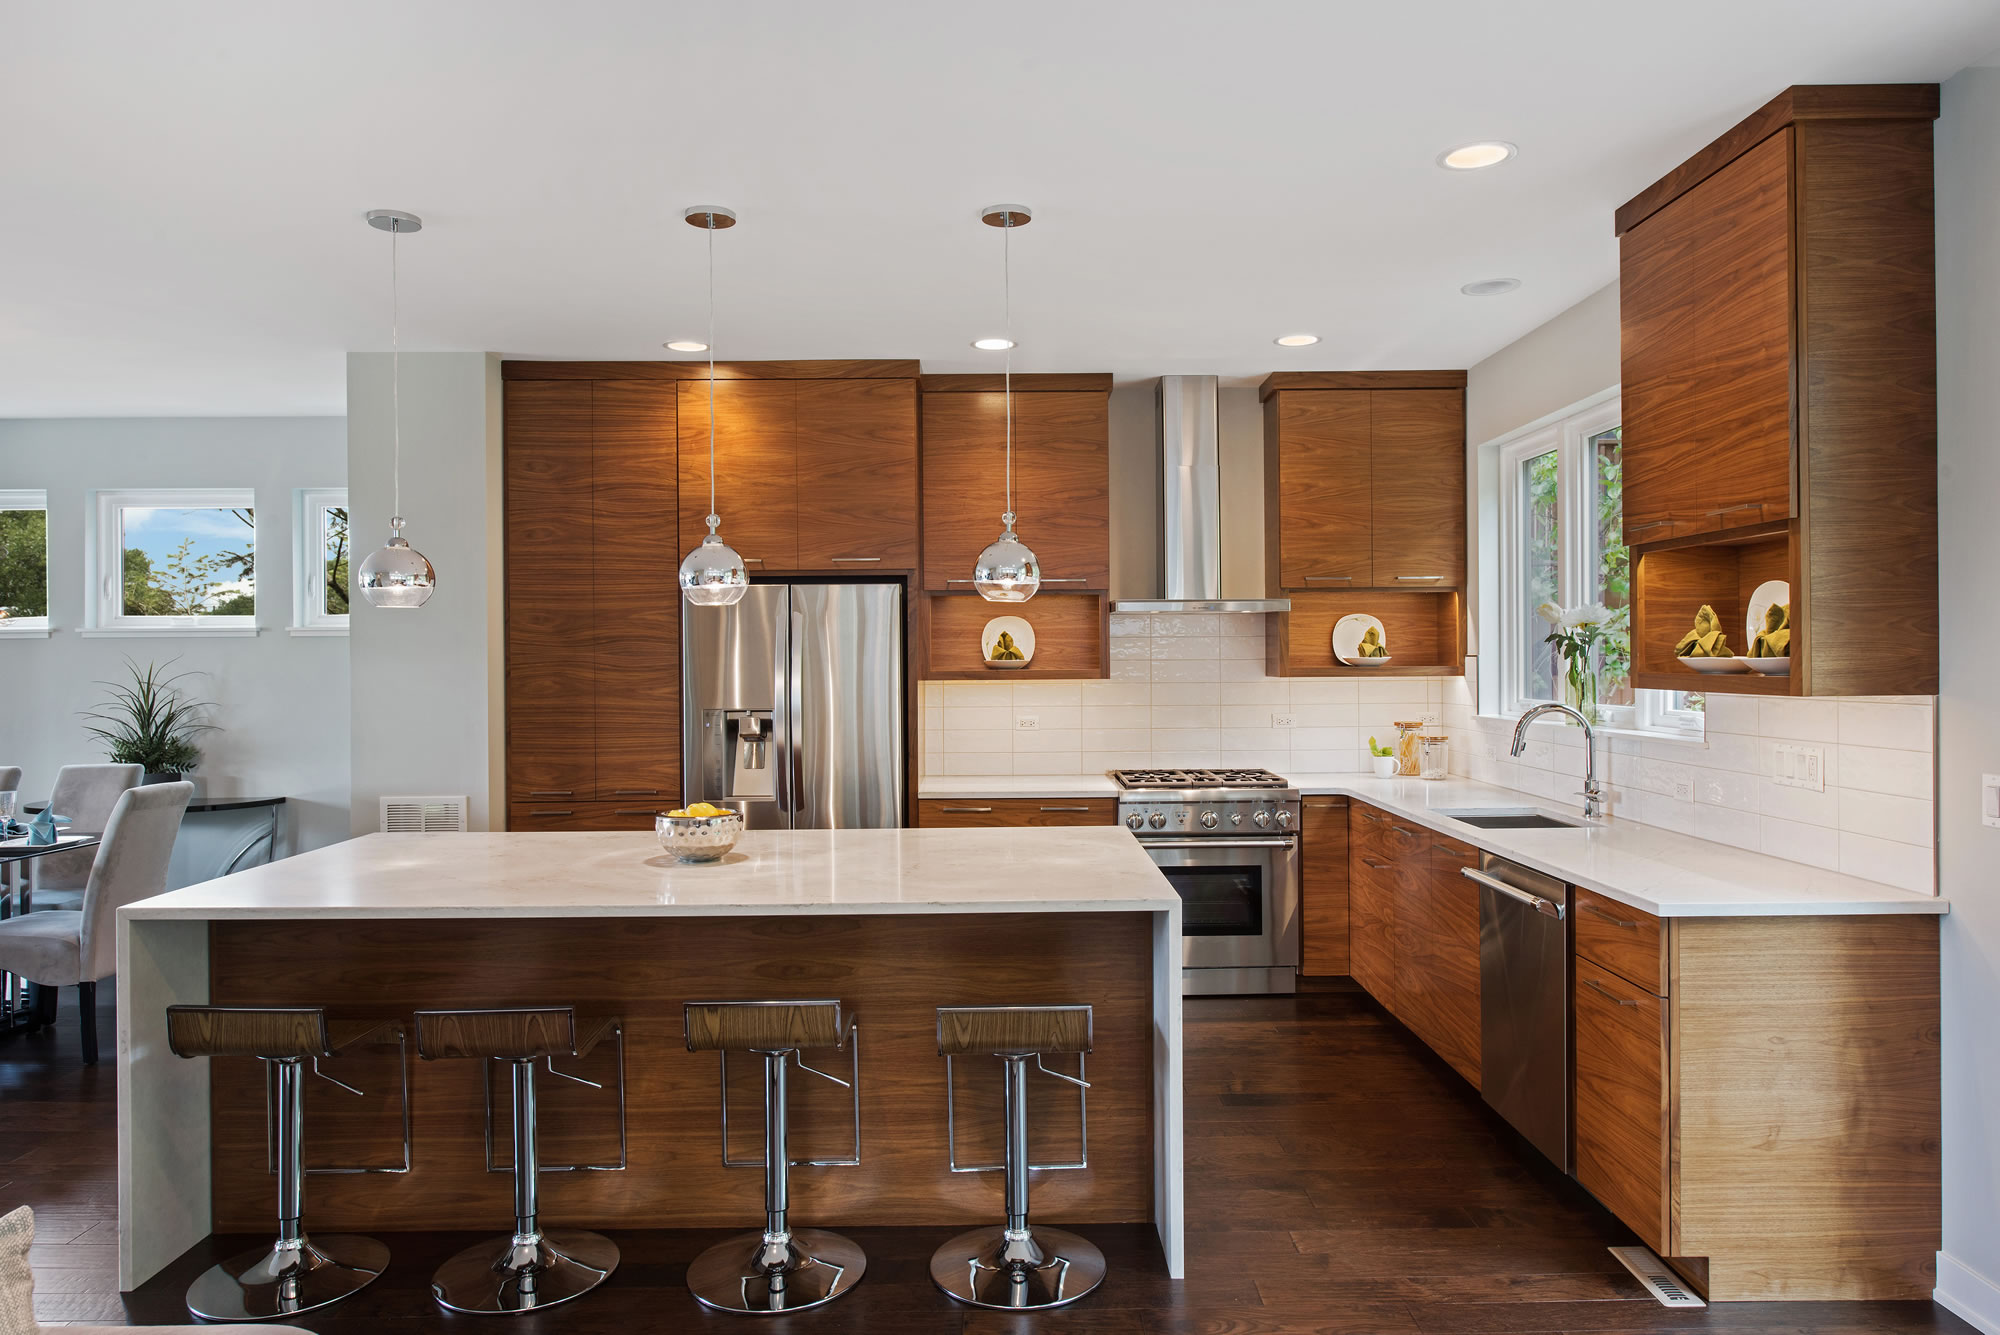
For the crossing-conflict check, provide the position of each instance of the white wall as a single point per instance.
(281, 700)
(1968, 233)
(426, 683)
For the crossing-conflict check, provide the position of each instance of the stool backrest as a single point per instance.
(762, 1026)
(524, 1032)
(248, 1031)
(131, 865)
(1017, 1031)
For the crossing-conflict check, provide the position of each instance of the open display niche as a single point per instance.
(1072, 637)
(1672, 581)
(1425, 632)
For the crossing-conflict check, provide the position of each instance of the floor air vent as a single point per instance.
(1660, 1281)
(423, 815)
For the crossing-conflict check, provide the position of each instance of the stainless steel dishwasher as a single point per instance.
(1524, 990)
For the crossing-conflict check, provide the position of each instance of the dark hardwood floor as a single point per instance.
(1340, 1179)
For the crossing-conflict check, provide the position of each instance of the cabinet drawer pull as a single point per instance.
(965, 811)
(853, 558)
(551, 813)
(561, 792)
(1329, 579)
(751, 560)
(1650, 523)
(1407, 834)
(1732, 509)
(1334, 805)
(1420, 578)
(1065, 808)
(634, 811)
(1600, 913)
(1376, 866)
(634, 792)
(1455, 852)
(1072, 579)
(1601, 989)
(1371, 818)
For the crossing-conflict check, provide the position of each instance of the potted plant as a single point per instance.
(151, 723)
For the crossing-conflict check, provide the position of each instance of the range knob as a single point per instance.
(1135, 821)
(1159, 820)
(1262, 817)
(1284, 818)
(1208, 820)
(1235, 818)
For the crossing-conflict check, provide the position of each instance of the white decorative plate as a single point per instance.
(1770, 591)
(1024, 640)
(1347, 633)
(1716, 664)
(1770, 667)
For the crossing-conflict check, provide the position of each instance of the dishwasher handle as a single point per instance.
(1548, 908)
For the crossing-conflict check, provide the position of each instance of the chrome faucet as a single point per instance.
(1593, 796)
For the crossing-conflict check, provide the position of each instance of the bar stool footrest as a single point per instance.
(499, 1275)
(985, 1268)
(821, 1265)
(274, 1282)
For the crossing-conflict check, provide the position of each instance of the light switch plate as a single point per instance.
(1027, 722)
(1989, 799)
(1801, 766)
(1281, 720)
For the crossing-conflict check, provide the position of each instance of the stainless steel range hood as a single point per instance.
(1191, 506)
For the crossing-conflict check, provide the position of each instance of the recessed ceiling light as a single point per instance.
(1296, 340)
(686, 345)
(1490, 287)
(1487, 153)
(993, 344)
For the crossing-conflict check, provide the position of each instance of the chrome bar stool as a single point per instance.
(1014, 1266)
(295, 1273)
(780, 1269)
(533, 1267)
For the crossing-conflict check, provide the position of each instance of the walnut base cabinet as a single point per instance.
(1323, 887)
(988, 812)
(1758, 1098)
(1777, 307)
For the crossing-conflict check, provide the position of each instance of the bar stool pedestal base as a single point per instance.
(503, 1275)
(285, 1281)
(1051, 1268)
(817, 1267)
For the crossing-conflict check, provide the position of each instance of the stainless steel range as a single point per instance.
(1228, 840)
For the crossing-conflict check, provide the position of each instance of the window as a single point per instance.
(24, 562)
(174, 562)
(319, 524)
(1562, 541)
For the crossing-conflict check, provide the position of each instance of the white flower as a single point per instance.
(1550, 613)
(1590, 614)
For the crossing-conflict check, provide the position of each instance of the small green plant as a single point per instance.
(151, 723)
(1378, 750)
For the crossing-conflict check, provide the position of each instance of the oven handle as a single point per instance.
(1275, 841)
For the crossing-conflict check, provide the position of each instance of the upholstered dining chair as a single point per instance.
(77, 947)
(86, 794)
(10, 778)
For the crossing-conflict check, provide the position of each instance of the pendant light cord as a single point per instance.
(1007, 321)
(714, 520)
(396, 375)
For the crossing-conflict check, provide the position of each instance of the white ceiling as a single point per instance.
(183, 184)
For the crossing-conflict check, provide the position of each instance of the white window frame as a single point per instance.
(20, 499)
(104, 562)
(309, 614)
(1577, 558)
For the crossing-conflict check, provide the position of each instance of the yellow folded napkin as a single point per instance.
(1371, 645)
(1775, 641)
(1005, 650)
(1706, 640)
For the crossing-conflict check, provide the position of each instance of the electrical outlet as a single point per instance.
(1027, 722)
(1281, 720)
(1801, 767)
(1684, 788)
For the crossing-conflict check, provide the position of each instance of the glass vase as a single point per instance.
(1580, 690)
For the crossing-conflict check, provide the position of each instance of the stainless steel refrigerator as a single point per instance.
(792, 706)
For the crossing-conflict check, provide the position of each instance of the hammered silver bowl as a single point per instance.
(698, 838)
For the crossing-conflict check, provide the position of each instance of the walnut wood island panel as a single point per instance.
(892, 922)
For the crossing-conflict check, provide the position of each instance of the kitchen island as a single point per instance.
(892, 922)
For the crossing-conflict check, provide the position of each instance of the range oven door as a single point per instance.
(1239, 899)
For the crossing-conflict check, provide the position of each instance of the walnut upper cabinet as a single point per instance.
(1364, 475)
(1777, 300)
(1062, 477)
(810, 474)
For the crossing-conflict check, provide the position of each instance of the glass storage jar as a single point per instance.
(1433, 756)
(1406, 749)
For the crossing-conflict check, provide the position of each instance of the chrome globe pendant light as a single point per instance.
(1007, 572)
(713, 574)
(396, 575)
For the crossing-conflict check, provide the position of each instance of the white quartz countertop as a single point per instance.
(1667, 874)
(1091, 869)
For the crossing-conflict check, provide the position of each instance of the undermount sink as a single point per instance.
(1514, 818)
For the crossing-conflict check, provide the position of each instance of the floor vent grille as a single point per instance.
(1660, 1281)
(423, 815)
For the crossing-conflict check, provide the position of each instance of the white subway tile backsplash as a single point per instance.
(1911, 866)
(1902, 820)
(1799, 720)
(1795, 842)
(1269, 692)
(964, 694)
(1178, 647)
(1117, 716)
(1732, 713)
(1047, 762)
(958, 740)
(1112, 693)
(964, 720)
(1047, 693)
(1187, 716)
(1187, 693)
(1189, 669)
(1875, 770)
(981, 763)
(1130, 669)
(1899, 726)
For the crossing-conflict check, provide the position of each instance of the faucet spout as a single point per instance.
(1593, 795)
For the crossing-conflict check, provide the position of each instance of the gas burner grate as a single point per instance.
(1196, 778)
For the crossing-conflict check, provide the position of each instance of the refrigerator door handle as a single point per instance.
(795, 667)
